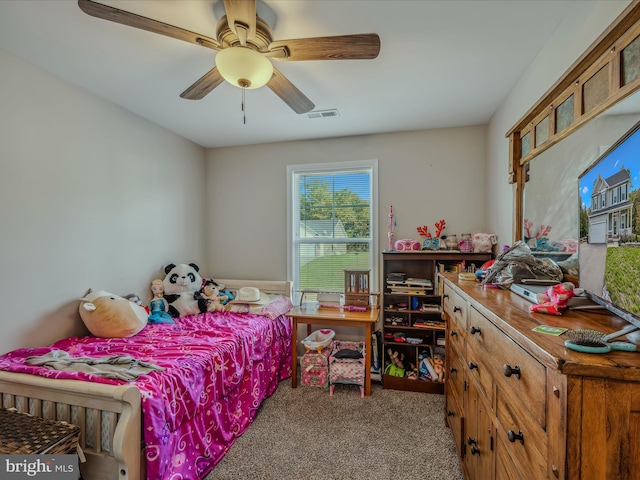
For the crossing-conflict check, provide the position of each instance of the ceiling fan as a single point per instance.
(245, 46)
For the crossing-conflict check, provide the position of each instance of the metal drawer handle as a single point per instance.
(456, 309)
(453, 369)
(475, 330)
(473, 365)
(475, 450)
(508, 370)
(450, 413)
(471, 441)
(513, 436)
(453, 333)
(445, 296)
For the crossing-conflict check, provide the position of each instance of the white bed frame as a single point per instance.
(109, 417)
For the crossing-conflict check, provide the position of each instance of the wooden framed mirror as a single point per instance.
(583, 113)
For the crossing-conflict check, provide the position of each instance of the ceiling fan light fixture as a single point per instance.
(243, 67)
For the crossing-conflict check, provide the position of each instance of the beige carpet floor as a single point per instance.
(304, 433)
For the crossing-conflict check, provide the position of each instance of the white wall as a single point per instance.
(578, 30)
(426, 175)
(91, 196)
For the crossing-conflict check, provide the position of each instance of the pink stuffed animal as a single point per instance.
(555, 300)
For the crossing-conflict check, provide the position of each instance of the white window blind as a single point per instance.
(332, 228)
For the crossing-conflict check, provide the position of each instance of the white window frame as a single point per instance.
(329, 168)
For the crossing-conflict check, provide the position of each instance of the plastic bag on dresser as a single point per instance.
(519, 263)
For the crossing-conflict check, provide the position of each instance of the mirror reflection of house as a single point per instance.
(610, 216)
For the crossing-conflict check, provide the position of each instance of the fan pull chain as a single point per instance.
(244, 113)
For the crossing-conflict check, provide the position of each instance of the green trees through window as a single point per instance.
(332, 225)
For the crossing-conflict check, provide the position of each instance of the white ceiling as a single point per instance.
(442, 63)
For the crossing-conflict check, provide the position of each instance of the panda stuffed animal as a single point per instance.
(182, 285)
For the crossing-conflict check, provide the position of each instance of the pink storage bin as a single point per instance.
(314, 368)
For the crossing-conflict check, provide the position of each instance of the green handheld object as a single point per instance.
(604, 348)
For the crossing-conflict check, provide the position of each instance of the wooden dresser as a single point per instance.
(522, 406)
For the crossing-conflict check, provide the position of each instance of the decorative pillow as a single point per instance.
(279, 306)
(111, 316)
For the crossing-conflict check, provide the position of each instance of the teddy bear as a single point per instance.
(182, 285)
(216, 301)
(438, 366)
(555, 300)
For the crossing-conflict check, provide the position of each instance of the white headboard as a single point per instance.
(270, 287)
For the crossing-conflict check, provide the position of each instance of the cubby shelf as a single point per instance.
(424, 265)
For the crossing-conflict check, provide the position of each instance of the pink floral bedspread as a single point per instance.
(219, 367)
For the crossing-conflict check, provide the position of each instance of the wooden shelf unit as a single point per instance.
(412, 320)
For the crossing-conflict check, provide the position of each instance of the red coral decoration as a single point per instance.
(527, 226)
(544, 231)
(440, 226)
(423, 231)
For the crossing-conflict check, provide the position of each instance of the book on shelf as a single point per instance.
(396, 277)
(431, 308)
(429, 323)
(419, 282)
(409, 290)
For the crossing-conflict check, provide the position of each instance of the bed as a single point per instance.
(175, 423)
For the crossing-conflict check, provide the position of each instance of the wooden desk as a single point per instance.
(312, 315)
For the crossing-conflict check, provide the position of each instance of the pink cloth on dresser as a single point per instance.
(218, 369)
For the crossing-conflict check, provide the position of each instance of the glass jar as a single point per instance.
(451, 242)
(466, 244)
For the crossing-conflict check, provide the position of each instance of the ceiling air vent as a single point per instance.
(323, 113)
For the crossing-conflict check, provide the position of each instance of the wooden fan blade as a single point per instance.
(364, 46)
(287, 91)
(241, 16)
(203, 86)
(116, 15)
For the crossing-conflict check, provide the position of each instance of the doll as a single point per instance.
(215, 300)
(556, 299)
(158, 305)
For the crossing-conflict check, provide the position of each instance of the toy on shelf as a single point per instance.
(390, 225)
(395, 367)
(438, 366)
(432, 242)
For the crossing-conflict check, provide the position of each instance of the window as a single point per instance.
(331, 223)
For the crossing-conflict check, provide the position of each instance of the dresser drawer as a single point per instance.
(456, 308)
(478, 368)
(513, 367)
(505, 469)
(524, 439)
(455, 374)
(455, 420)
